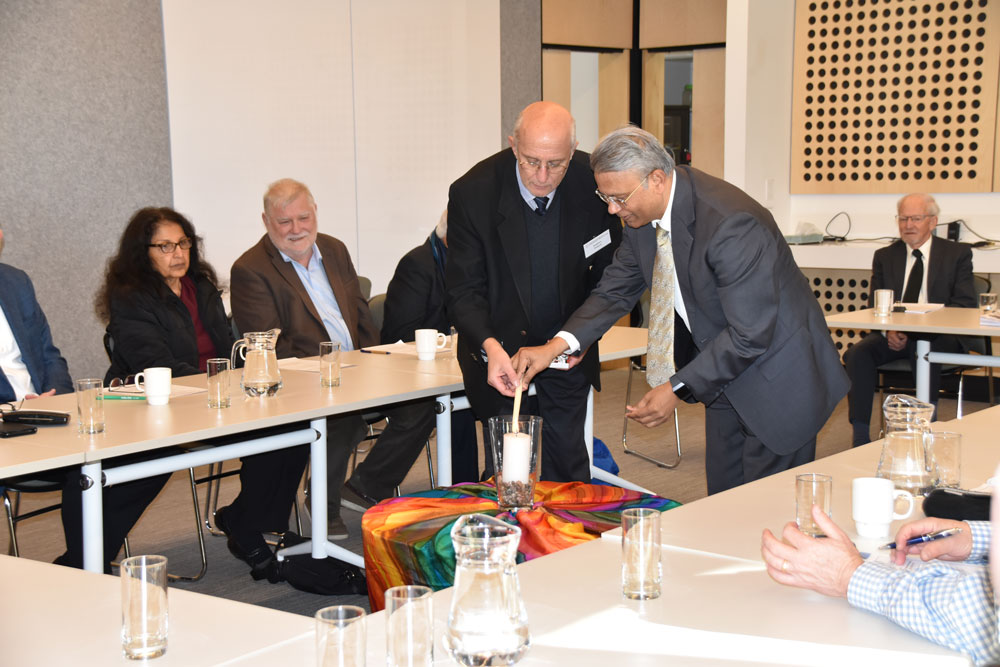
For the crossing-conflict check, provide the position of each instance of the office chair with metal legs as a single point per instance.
(634, 365)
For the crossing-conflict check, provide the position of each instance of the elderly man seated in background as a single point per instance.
(947, 605)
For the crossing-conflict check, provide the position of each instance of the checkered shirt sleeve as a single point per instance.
(951, 606)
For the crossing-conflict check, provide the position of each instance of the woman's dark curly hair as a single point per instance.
(131, 270)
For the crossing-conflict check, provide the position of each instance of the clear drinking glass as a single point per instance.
(145, 618)
(641, 569)
(90, 405)
(340, 636)
(409, 626)
(812, 489)
(218, 383)
(329, 364)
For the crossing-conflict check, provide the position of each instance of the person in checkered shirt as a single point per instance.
(951, 606)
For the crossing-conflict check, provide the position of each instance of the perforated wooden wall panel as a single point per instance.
(894, 96)
(840, 291)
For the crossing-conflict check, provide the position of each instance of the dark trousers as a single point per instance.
(863, 359)
(562, 404)
(269, 481)
(400, 443)
(735, 456)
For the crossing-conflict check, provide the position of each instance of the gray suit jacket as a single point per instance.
(761, 336)
(267, 293)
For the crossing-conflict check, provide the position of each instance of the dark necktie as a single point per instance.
(912, 292)
(541, 203)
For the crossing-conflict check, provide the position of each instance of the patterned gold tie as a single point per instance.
(660, 352)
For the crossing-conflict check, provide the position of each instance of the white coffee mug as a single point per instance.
(429, 341)
(156, 384)
(873, 505)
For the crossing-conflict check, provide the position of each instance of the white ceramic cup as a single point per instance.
(873, 505)
(429, 341)
(156, 384)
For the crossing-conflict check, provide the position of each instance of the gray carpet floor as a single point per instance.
(168, 526)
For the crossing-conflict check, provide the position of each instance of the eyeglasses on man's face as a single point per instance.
(903, 219)
(618, 201)
(553, 166)
(168, 247)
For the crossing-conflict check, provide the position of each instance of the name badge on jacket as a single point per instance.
(596, 243)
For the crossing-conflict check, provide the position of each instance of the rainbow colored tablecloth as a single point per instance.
(407, 540)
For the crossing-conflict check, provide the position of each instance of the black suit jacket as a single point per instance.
(949, 272)
(415, 298)
(153, 330)
(488, 273)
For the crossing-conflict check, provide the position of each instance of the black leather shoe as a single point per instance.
(354, 498)
(260, 558)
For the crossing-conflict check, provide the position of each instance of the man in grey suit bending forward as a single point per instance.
(733, 323)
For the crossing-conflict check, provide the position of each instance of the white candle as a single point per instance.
(516, 457)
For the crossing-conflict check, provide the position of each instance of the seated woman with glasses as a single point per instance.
(163, 308)
(161, 299)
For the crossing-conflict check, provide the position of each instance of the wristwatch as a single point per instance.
(683, 392)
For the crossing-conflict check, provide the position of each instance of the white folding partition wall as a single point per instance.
(377, 105)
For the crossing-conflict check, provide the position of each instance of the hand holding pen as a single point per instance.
(932, 538)
(928, 537)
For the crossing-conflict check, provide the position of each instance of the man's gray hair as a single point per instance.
(630, 148)
(283, 191)
(930, 206)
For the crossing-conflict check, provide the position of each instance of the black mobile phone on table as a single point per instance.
(36, 417)
(12, 430)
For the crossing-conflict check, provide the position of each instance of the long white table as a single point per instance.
(955, 321)
(369, 381)
(135, 427)
(57, 615)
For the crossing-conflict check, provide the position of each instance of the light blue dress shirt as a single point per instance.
(313, 278)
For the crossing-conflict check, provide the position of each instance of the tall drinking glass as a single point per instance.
(144, 607)
(90, 405)
(329, 364)
(340, 636)
(218, 383)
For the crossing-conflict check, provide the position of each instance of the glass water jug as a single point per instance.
(487, 624)
(906, 457)
(261, 376)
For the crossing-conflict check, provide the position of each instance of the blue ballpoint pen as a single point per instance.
(929, 537)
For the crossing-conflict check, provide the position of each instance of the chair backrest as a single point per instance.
(109, 344)
(377, 307)
(366, 287)
(983, 283)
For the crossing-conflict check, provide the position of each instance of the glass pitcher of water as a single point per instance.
(906, 457)
(261, 376)
(487, 624)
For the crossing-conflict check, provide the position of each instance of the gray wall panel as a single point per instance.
(84, 142)
(520, 60)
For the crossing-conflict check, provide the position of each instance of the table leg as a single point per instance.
(320, 547)
(93, 517)
(923, 371)
(443, 438)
